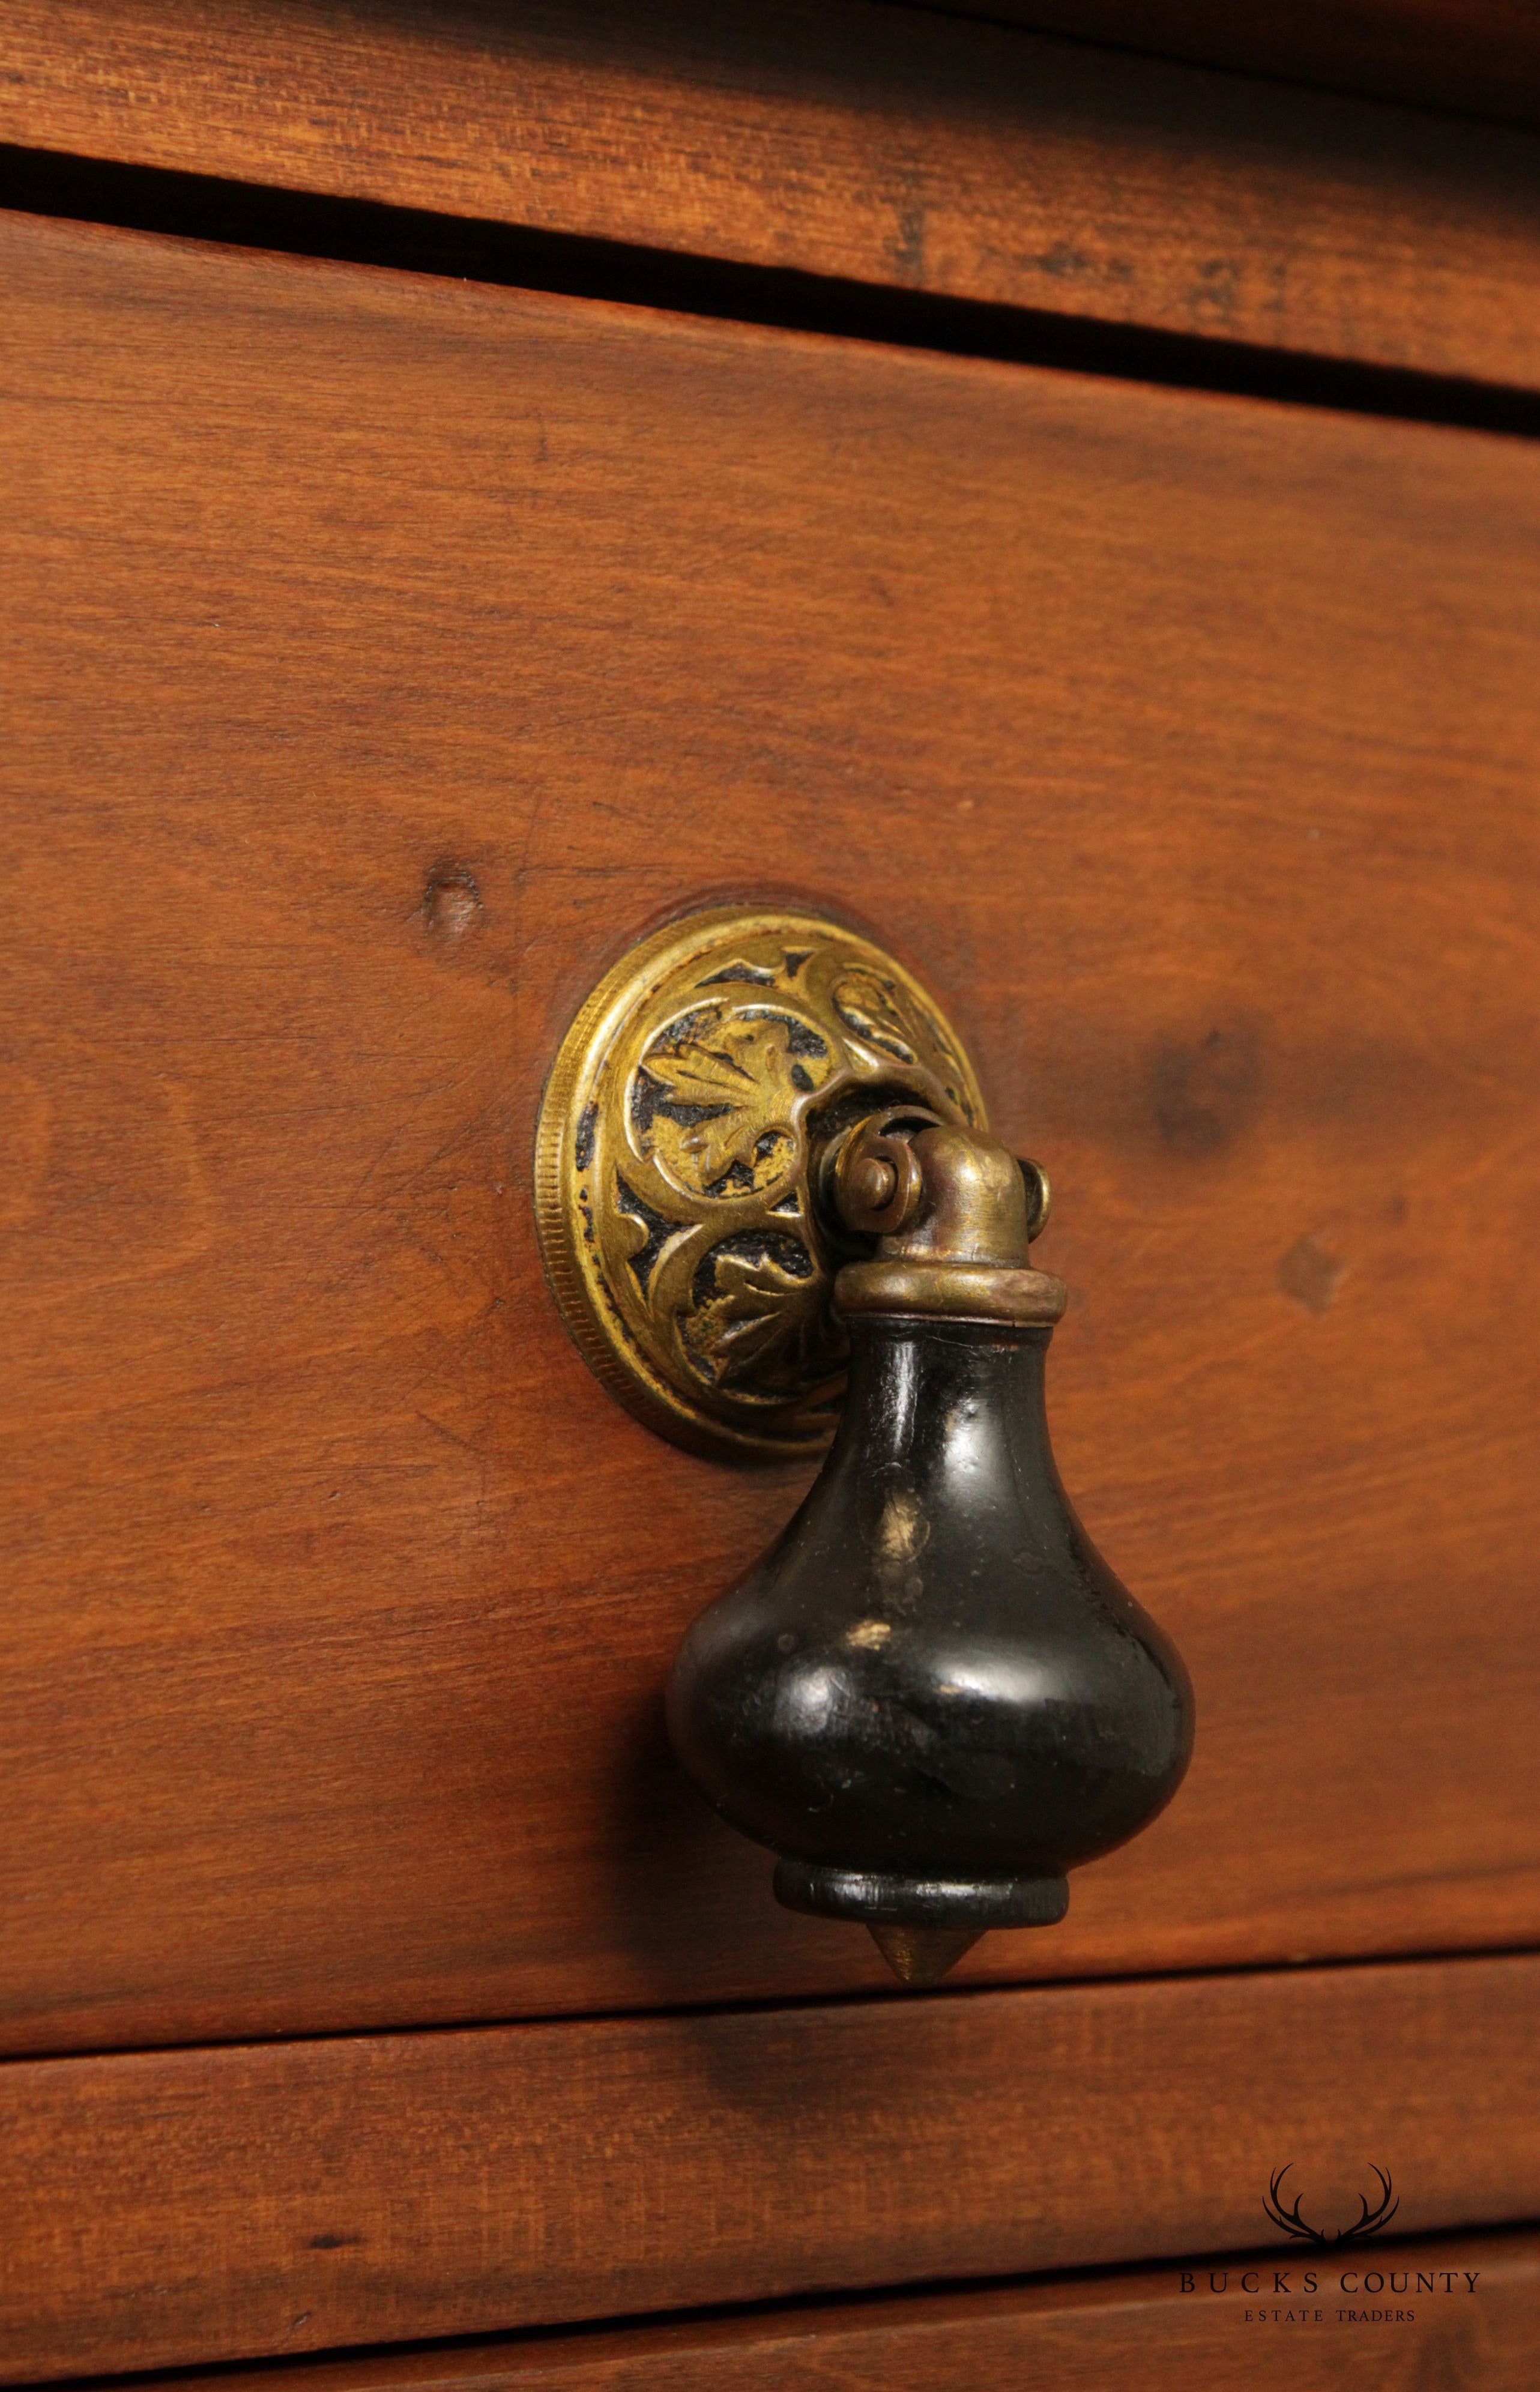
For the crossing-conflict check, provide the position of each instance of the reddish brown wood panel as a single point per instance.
(202, 2205)
(895, 146)
(1461, 2310)
(1480, 56)
(383, 655)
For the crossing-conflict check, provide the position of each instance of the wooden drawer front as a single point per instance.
(168, 2208)
(383, 654)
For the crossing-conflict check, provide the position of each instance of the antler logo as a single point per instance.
(1369, 2221)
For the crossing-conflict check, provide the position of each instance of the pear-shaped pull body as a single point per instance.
(932, 1697)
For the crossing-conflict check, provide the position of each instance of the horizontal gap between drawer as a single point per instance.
(859, 1998)
(1301, 67)
(241, 215)
(595, 2335)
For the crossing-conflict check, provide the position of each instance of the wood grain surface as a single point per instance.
(890, 144)
(210, 2204)
(382, 657)
(1469, 2314)
(1480, 56)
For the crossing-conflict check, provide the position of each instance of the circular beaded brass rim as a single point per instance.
(677, 1138)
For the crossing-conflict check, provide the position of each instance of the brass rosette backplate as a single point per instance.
(686, 1114)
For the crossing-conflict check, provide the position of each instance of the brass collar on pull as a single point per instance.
(720, 1122)
(955, 1212)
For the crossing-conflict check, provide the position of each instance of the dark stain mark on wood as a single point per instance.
(1206, 1094)
(1311, 1274)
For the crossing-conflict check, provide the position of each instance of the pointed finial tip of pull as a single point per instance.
(921, 1956)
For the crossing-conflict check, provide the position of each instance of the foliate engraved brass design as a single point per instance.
(681, 1127)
